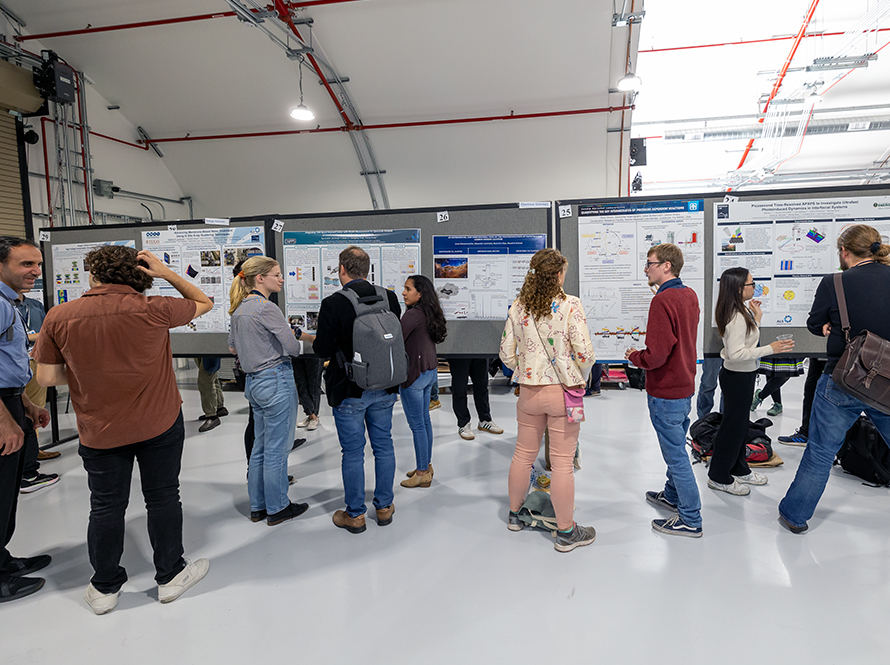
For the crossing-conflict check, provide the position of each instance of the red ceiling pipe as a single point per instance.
(166, 21)
(784, 70)
(49, 201)
(743, 42)
(111, 138)
(394, 125)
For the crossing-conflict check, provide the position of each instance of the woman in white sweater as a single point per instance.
(739, 326)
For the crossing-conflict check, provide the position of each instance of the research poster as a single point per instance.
(311, 260)
(478, 277)
(71, 271)
(205, 257)
(788, 246)
(613, 241)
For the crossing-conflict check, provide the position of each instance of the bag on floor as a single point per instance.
(537, 511)
(758, 446)
(865, 454)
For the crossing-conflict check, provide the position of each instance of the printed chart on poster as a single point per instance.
(71, 271)
(205, 257)
(478, 277)
(788, 246)
(613, 241)
(311, 261)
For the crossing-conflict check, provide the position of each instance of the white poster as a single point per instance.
(613, 242)
(70, 270)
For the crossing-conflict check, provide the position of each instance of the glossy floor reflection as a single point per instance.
(447, 582)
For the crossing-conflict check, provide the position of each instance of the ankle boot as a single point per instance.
(418, 480)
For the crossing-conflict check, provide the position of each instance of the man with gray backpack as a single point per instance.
(359, 330)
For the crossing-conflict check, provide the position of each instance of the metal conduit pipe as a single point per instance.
(754, 131)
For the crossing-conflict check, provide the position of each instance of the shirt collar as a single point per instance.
(674, 283)
(104, 289)
(8, 291)
(357, 279)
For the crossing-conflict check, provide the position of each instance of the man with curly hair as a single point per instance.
(112, 347)
(669, 360)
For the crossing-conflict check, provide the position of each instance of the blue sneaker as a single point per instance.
(657, 499)
(796, 439)
(675, 526)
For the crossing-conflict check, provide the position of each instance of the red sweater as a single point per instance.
(670, 355)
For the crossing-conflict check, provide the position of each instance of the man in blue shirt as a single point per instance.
(20, 262)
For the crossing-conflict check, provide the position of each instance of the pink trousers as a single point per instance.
(541, 407)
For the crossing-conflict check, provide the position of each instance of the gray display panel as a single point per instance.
(59, 238)
(806, 344)
(465, 338)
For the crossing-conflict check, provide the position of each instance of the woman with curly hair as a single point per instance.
(547, 343)
(423, 326)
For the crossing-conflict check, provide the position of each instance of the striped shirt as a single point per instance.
(260, 335)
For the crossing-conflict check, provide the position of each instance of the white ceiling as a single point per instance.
(407, 60)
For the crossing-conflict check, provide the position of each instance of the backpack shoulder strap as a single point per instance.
(842, 304)
(10, 331)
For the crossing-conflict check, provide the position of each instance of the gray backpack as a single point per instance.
(378, 360)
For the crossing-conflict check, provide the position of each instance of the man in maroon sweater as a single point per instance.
(669, 360)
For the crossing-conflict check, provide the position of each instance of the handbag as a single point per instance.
(574, 397)
(864, 368)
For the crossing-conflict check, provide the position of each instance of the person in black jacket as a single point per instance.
(865, 260)
(354, 408)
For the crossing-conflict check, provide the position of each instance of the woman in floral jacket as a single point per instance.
(547, 343)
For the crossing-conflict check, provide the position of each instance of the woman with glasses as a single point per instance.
(739, 326)
(264, 344)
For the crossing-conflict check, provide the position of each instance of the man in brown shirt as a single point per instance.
(112, 348)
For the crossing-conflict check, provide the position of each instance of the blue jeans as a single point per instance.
(374, 409)
(273, 396)
(416, 400)
(710, 370)
(670, 418)
(834, 412)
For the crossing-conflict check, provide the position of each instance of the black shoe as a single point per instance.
(209, 424)
(210, 417)
(292, 511)
(222, 411)
(793, 529)
(257, 515)
(19, 567)
(290, 479)
(298, 443)
(38, 482)
(14, 588)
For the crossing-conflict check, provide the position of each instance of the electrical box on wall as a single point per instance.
(638, 152)
(103, 188)
(55, 80)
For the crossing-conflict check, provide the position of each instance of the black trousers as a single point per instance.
(475, 370)
(307, 376)
(773, 388)
(30, 449)
(109, 473)
(729, 442)
(11, 467)
(817, 367)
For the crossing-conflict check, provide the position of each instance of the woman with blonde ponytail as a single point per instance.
(264, 345)
(547, 344)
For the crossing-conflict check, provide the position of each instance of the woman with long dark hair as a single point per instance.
(547, 344)
(423, 326)
(739, 326)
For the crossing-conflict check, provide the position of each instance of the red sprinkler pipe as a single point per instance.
(778, 83)
(165, 21)
(745, 42)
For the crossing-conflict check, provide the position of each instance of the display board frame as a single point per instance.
(465, 338)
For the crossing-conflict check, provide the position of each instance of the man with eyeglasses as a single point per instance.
(669, 360)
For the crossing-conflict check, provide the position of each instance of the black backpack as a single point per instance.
(865, 454)
(636, 377)
(702, 432)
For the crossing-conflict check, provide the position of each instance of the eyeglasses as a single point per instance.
(649, 264)
(751, 283)
(277, 275)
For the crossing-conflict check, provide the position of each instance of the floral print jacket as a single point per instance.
(566, 335)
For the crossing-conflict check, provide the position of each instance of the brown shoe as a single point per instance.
(43, 455)
(413, 471)
(418, 480)
(351, 524)
(384, 515)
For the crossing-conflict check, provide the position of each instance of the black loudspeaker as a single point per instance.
(638, 152)
(55, 80)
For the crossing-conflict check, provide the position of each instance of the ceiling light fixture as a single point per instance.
(301, 112)
(629, 82)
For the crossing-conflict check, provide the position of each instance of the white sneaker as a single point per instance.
(735, 488)
(304, 422)
(753, 478)
(313, 424)
(466, 433)
(101, 603)
(490, 427)
(185, 580)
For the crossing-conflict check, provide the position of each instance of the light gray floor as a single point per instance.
(447, 582)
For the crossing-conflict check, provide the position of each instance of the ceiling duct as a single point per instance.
(754, 131)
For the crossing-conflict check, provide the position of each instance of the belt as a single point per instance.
(11, 392)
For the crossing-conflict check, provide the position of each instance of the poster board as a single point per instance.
(466, 337)
(204, 253)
